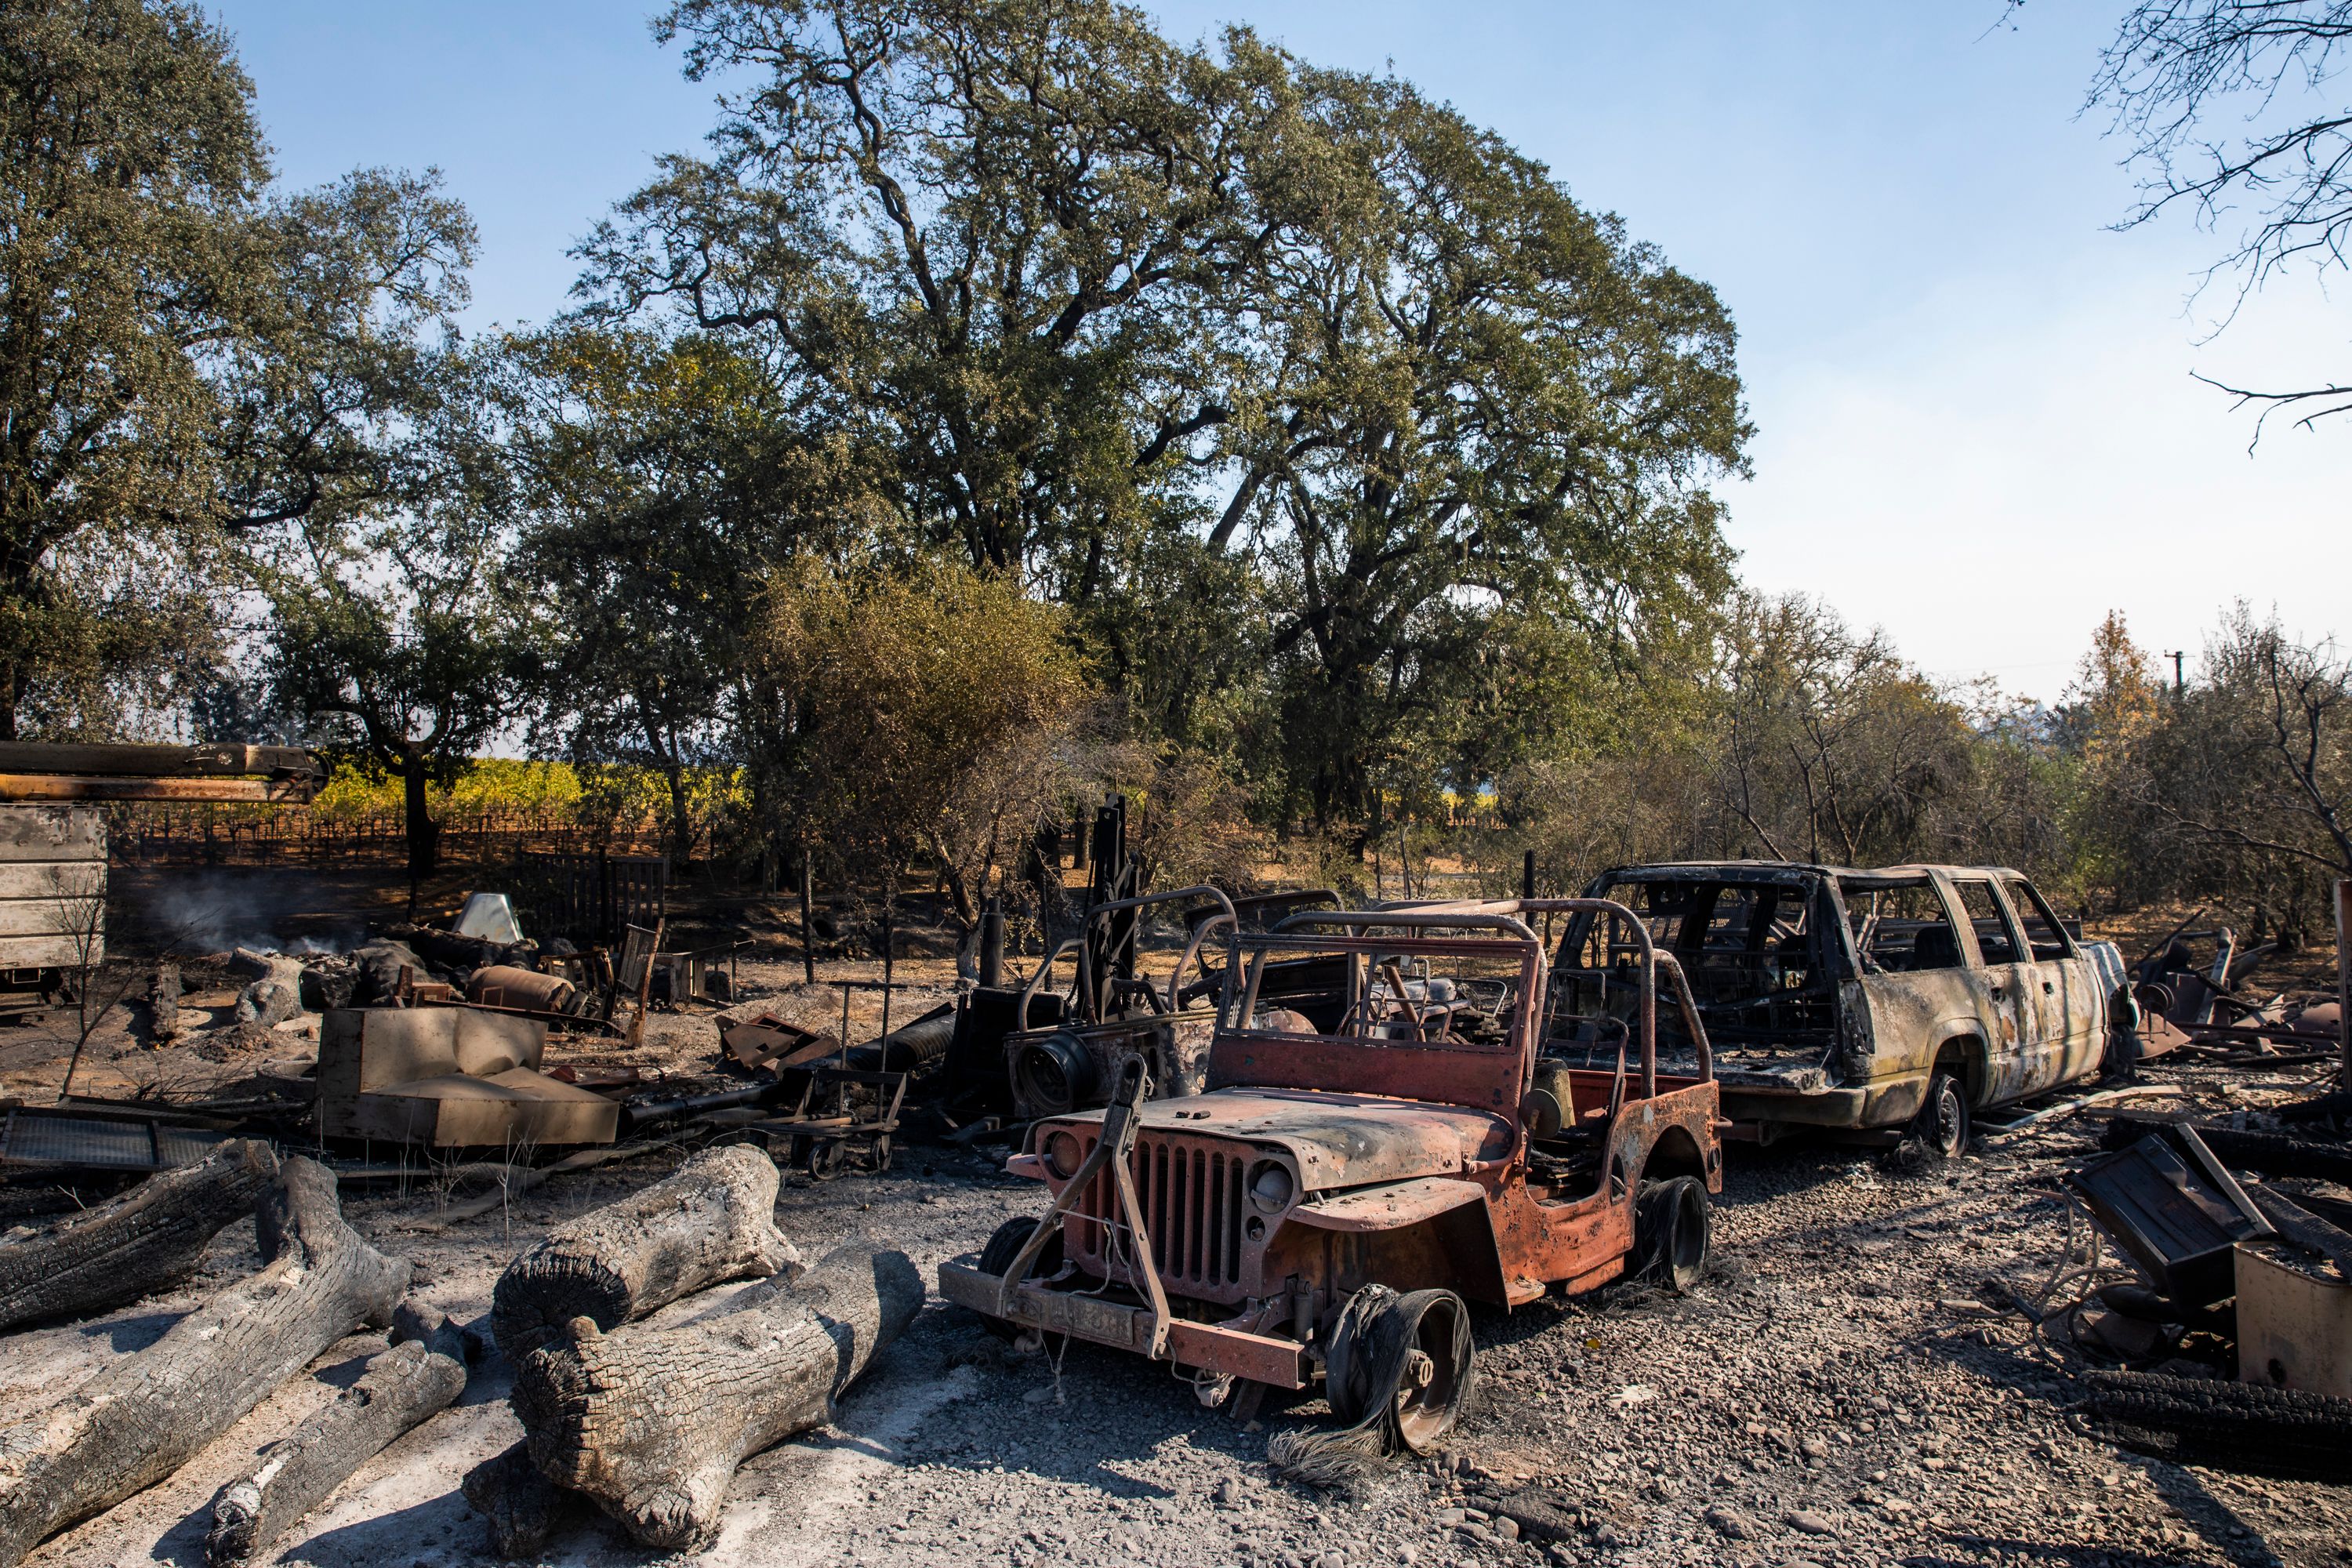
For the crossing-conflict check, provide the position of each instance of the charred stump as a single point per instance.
(144, 1241)
(651, 1423)
(417, 1377)
(713, 1221)
(524, 1508)
(141, 1418)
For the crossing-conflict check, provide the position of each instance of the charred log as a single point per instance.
(144, 1241)
(651, 1423)
(712, 1222)
(141, 1418)
(525, 1509)
(400, 1389)
(2272, 1154)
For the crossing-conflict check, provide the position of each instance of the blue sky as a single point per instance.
(1977, 425)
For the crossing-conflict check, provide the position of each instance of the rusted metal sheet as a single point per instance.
(2171, 1205)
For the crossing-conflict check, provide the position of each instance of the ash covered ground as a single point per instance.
(1854, 1384)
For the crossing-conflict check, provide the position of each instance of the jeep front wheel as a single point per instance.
(999, 1255)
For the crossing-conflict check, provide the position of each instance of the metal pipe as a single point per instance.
(1200, 934)
(1690, 1021)
(1029, 986)
(1410, 919)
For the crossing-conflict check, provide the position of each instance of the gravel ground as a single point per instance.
(1851, 1386)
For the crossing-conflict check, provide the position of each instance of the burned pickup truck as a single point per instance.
(1383, 1133)
(1881, 1000)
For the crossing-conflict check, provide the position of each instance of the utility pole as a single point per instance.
(2344, 979)
(2179, 684)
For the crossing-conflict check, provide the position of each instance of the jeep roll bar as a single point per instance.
(1496, 914)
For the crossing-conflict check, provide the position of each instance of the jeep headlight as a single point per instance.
(1271, 1186)
(1062, 1155)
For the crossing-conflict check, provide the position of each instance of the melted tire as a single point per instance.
(1672, 1233)
(1944, 1125)
(997, 1257)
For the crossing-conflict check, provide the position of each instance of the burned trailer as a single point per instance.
(1363, 1162)
(1881, 1002)
(1110, 1014)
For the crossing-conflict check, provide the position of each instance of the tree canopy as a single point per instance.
(185, 353)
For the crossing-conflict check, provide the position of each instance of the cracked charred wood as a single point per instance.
(408, 1384)
(712, 1222)
(142, 1417)
(143, 1242)
(525, 1509)
(651, 1423)
(2242, 1426)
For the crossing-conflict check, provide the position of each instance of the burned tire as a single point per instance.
(998, 1256)
(1672, 1233)
(1943, 1124)
(1408, 1358)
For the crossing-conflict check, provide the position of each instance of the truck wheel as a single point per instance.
(1942, 1124)
(1671, 1233)
(998, 1255)
(1408, 1358)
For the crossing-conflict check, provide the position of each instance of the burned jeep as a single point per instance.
(1388, 1144)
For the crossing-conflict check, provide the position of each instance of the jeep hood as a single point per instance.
(1337, 1139)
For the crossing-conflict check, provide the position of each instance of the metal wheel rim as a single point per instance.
(1686, 1242)
(1951, 1125)
(1424, 1412)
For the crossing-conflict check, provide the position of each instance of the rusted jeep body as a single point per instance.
(1862, 999)
(1387, 1123)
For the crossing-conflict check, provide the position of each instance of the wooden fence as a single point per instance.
(152, 833)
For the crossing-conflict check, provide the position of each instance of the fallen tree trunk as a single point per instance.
(143, 1242)
(651, 1423)
(524, 1508)
(141, 1418)
(418, 1377)
(714, 1221)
